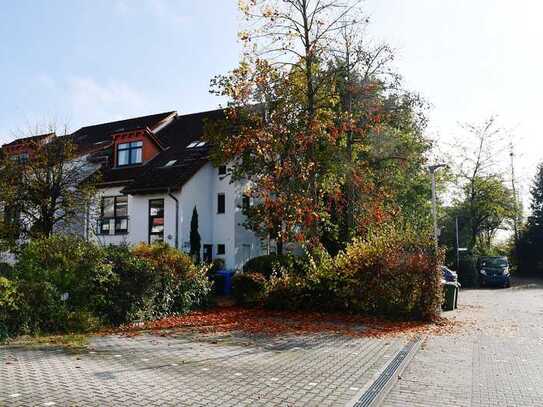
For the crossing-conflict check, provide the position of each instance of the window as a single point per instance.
(245, 202)
(208, 253)
(130, 153)
(196, 144)
(222, 170)
(114, 219)
(20, 158)
(221, 249)
(156, 220)
(221, 203)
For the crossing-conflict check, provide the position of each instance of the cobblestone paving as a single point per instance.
(495, 360)
(185, 370)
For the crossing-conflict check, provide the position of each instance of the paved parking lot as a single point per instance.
(496, 359)
(232, 370)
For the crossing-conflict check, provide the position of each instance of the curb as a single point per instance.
(374, 392)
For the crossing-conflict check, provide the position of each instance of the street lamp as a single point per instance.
(433, 169)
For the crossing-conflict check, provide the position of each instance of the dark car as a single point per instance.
(494, 271)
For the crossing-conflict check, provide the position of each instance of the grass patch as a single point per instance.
(70, 342)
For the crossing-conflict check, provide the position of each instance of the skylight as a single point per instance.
(196, 144)
(170, 163)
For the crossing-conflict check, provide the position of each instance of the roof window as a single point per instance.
(197, 144)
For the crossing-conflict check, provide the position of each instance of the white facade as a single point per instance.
(200, 191)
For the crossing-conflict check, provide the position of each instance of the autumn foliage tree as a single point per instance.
(50, 190)
(316, 122)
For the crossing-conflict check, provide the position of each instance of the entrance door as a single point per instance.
(156, 220)
(208, 253)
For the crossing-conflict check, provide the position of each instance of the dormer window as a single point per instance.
(130, 153)
(20, 158)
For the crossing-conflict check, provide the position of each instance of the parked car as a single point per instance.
(494, 271)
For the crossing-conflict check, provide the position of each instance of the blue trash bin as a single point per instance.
(227, 278)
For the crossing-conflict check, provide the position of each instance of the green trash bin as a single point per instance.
(450, 295)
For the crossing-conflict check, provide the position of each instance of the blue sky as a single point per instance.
(82, 62)
(79, 62)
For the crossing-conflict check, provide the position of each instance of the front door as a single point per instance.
(156, 220)
(208, 253)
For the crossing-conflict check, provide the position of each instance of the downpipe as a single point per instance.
(176, 218)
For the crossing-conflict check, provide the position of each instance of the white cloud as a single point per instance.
(165, 10)
(92, 101)
(76, 101)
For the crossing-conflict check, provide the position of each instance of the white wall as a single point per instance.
(138, 218)
(200, 191)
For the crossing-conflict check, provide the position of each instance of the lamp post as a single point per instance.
(433, 169)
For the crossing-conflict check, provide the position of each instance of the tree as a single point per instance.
(319, 125)
(382, 149)
(50, 190)
(485, 205)
(195, 239)
(529, 249)
(280, 110)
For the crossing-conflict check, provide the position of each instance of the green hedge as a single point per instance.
(63, 284)
(391, 273)
(270, 264)
(249, 288)
(468, 275)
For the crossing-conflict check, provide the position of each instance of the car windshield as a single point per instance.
(494, 262)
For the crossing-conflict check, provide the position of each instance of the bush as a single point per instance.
(217, 265)
(249, 288)
(6, 270)
(64, 284)
(392, 273)
(153, 281)
(182, 285)
(467, 271)
(269, 264)
(69, 264)
(8, 307)
(311, 283)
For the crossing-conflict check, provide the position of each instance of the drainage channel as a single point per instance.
(375, 393)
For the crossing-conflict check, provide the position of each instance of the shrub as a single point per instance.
(184, 285)
(391, 273)
(216, 265)
(248, 288)
(8, 307)
(311, 282)
(269, 264)
(65, 284)
(6, 270)
(58, 278)
(39, 308)
(153, 281)
(467, 271)
(69, 264)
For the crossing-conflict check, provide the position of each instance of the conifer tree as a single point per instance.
(195, 239)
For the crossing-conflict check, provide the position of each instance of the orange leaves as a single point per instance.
(262, 321)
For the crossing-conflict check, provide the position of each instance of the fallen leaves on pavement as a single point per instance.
(262, 321)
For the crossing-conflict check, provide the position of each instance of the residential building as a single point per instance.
(154, 170)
